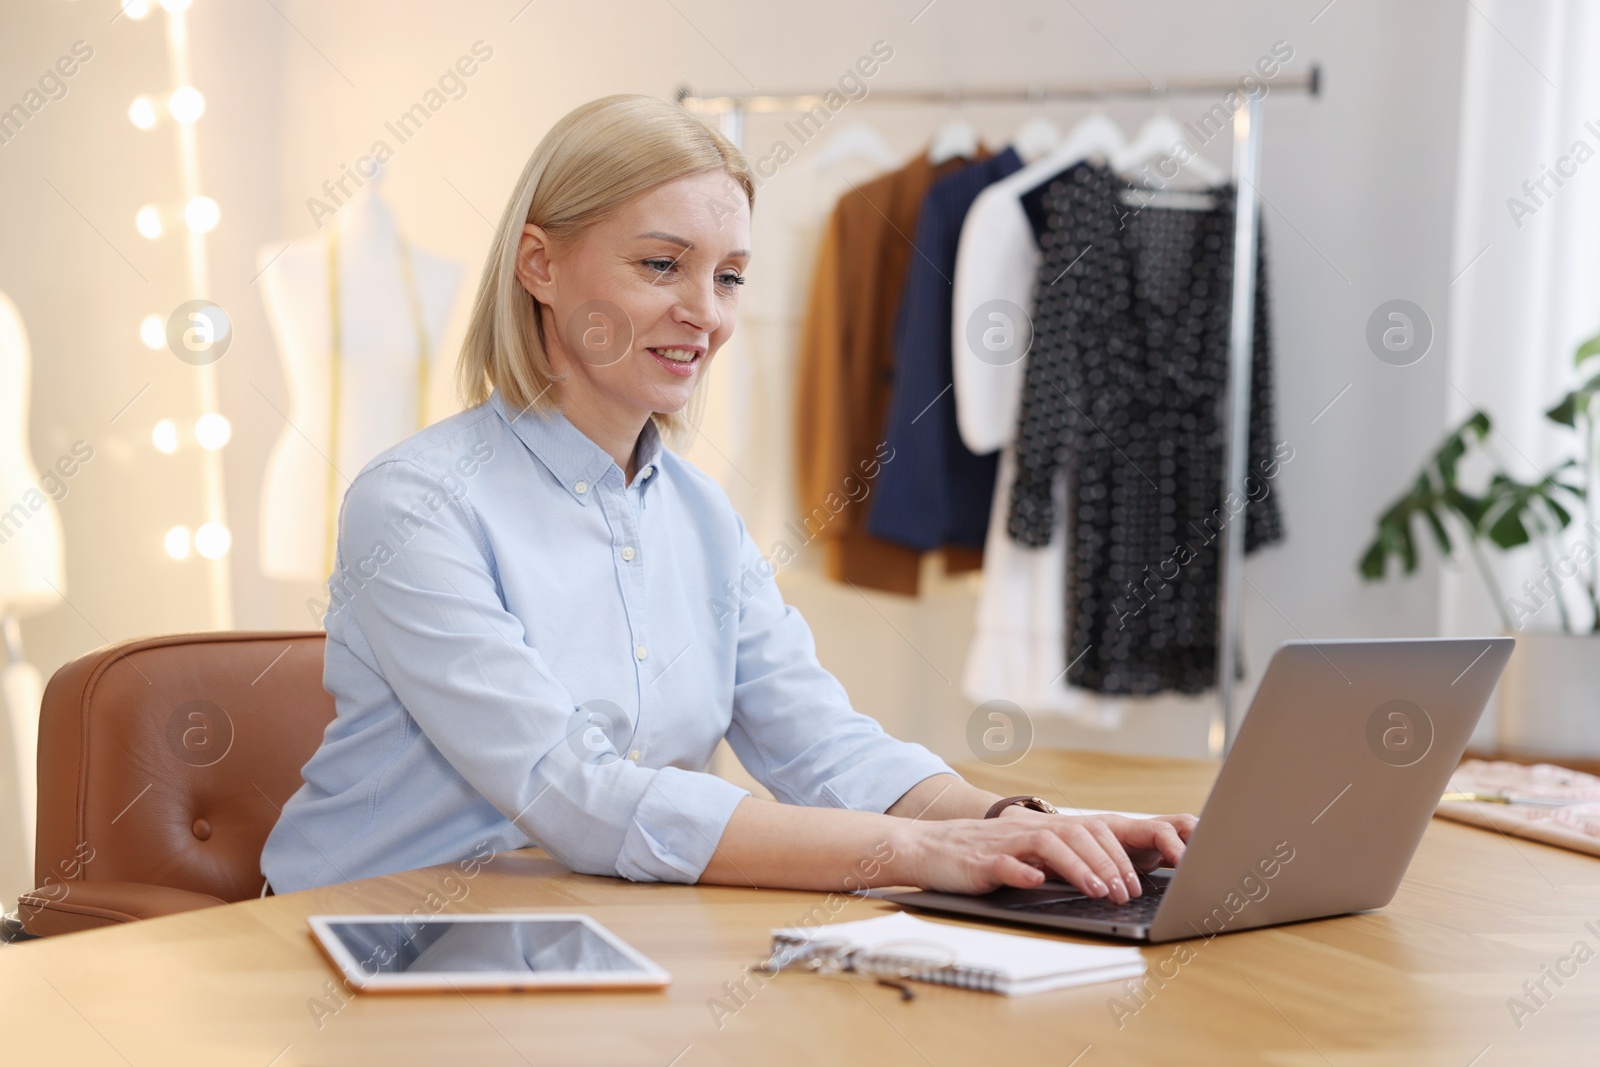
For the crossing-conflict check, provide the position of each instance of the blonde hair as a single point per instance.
(596, 158)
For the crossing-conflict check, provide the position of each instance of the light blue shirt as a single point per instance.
(524, 650)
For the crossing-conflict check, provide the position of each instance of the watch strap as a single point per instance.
(1031, 802)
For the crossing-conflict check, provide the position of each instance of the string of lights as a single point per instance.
(189, 330)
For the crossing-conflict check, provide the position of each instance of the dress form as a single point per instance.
(370, 394)
(32, 578)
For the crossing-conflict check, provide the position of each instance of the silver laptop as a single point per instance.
(1317, 811)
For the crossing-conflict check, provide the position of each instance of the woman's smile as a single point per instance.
(681, 361)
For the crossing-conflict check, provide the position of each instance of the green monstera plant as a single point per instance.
(1508, 513)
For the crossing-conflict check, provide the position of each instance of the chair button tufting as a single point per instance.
(202, 829)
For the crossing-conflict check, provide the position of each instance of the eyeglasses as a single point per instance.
(891, 964)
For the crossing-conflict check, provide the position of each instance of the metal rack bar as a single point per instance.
(1236, 417)
(1309, 82)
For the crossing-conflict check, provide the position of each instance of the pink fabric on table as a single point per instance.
(1574, 825)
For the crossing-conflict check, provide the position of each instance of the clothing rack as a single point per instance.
(731, 110)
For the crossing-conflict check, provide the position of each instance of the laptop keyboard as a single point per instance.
(1070, 902)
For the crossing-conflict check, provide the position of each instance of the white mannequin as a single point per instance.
(32, 578)
(378, 402)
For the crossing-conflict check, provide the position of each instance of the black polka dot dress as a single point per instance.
(1124, 394)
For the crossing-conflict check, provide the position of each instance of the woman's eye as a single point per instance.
(727, 279)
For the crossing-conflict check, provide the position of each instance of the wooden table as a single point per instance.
(1424, 981)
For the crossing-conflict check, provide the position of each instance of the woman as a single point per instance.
(542, 622)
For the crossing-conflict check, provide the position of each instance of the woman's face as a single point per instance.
(637, 306)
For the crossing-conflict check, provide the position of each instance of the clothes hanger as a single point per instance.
(1096, 135)
(1037, 137)
(957, 138)
(1159, 139)
(858, 140)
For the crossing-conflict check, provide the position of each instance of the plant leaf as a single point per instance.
(1563, 517)
(1566, 412)
(1432, 496)
(1469, 507)
(1372, 561)
(1445, 459)
(1439, 533)
(1407, 548)
(1588, 348)
(1508, 530)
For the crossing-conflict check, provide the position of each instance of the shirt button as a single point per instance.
(648, 471)
(641, 652)
(634, 755)
(628, 553)
(581, 487)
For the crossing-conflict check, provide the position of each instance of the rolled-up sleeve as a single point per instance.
(793, 725)
(425, 595)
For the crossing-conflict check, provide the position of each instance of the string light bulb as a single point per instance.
(186, 104)
(148, 221)
(164, 435)
(212, 540)
(142, 112)
(201, 214)
(136, 9)
(212, 430)
(153, 332)
(177, 542)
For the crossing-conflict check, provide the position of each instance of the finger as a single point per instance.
(1166, 839)
(1179, 819)
(1073, 839)
(1119, 856)
(1120, 871)
(1147, 860)
(1184, 824)
(1156, 834)
(1065, 863)
(1008, 870)
(1171, 843)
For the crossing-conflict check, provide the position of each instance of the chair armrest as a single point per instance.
(89, 905)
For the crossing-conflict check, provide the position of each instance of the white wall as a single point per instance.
(1358, 188)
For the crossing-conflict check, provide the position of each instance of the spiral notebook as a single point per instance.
(948, 954)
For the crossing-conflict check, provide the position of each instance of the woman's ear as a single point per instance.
(533, 262)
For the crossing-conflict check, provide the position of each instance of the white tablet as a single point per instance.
(499, 950)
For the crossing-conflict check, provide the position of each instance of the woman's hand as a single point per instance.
(1099, 854)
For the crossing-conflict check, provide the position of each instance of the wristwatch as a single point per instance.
(1036, 803)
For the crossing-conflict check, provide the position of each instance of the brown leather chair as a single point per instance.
(163, 763)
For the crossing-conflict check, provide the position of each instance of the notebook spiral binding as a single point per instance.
(790, 951)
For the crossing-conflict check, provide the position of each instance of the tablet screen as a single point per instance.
(503, 946)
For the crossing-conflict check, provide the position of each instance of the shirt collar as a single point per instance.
(577, 462)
